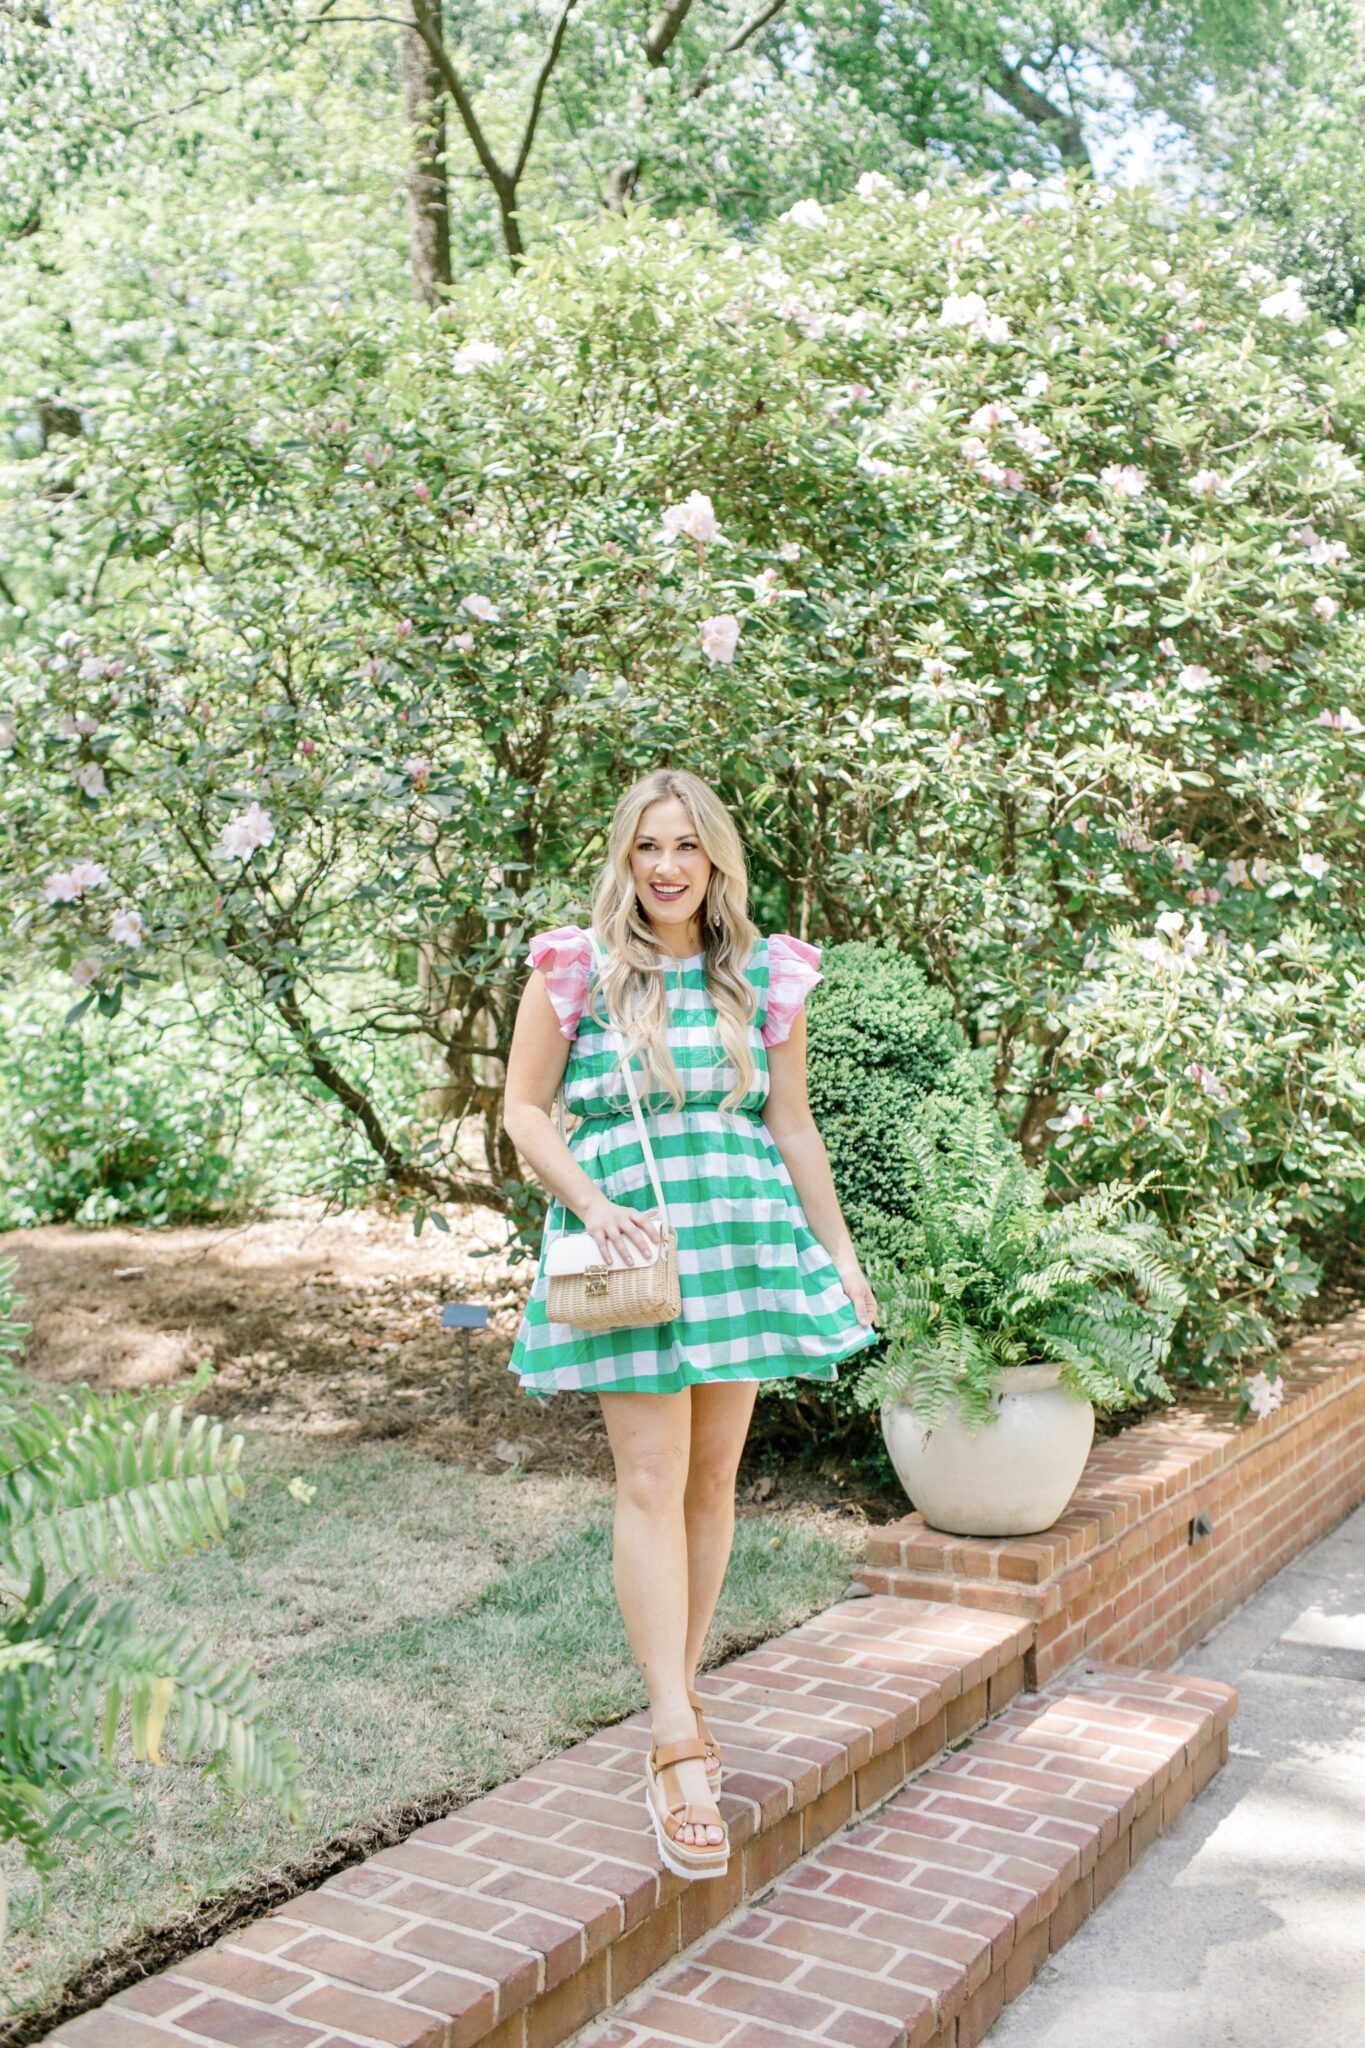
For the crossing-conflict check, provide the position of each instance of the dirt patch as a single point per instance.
(329, 1326)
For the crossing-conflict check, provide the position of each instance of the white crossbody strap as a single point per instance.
(631, 1090)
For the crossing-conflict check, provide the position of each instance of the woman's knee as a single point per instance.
(653, 1482)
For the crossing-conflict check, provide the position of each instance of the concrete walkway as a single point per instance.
(1244, 1926)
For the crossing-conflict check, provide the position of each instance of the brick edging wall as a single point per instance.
(1122, 1576)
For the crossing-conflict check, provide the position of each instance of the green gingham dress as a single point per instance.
(761, 1299)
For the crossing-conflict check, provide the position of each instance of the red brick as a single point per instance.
(250, 1977)
(516, 1972)
(355, 2012)
(899, 2001)
(684, 2018)
(240, 2026)
(1072, 1908)
(705, 1901)
(372, 1968)
(633, 1957)
(570, 2006)
(1026, 1958)
(108, 2029)
(340, 1915)
(766, 2002)
(981, 2012)
(154, 1995)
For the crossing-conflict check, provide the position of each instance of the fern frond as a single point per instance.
(84, 1493)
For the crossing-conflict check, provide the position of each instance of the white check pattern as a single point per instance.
(760, 1296)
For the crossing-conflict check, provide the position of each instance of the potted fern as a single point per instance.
(1016, 1321)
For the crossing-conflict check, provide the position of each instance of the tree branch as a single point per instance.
(741, 36)
(538, 97)
(1009, 82)
(664, 27)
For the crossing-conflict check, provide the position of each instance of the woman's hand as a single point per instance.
(621, 1233)
(856, 1288)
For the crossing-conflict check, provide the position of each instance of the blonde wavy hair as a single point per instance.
(634, 981)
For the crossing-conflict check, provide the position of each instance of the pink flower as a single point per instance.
(85, 971)
(419, 769)
(481, 608)
(765, 586)
(126, 928)
(422, 492)
(465, 642)
(973, 448)
(403, 629)
(720, 637)
(1314, 865)
(789, 551)
(90, 777)
(306, 746)
(1092, 537)
(1206, 483)
(1124, 479)
(1343, 720)
(987, 417)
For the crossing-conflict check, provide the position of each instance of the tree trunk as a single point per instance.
(428, 197)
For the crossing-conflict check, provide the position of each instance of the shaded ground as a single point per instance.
(328, 1328)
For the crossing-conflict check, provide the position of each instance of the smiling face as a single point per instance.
(670, 872)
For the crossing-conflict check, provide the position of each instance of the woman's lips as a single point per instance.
(668, 895)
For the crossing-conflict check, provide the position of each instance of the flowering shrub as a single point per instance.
(994, 548)
(1234, 1073)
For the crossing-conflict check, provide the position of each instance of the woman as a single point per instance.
(770, 1280)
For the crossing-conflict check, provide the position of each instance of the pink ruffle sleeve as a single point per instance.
(564, 957)
(793, 970)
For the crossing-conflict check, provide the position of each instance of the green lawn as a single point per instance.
(425, 1632)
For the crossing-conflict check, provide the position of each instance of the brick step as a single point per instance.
(913, 1928)
(523, 1916)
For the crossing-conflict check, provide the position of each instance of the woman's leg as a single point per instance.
(721, 1414)
(650, 1436)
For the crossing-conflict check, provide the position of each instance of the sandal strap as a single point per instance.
(676, 1753)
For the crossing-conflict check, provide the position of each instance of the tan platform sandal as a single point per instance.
(670, 1813)
(714, 1765)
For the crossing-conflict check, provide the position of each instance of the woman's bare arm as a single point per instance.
(536, 1061)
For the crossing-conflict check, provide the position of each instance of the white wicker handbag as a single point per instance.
(587, 1292)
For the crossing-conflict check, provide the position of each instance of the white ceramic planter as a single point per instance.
(1013, 1476)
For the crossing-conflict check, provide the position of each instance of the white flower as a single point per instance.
(765, 586)
(1255, 277)
(1034, 442)
(720, 636)
(1206, 483)
(973, 448)
(61, 887)
(126, 928)
(935, 669)
(1287, 303)
(1325, 608)
(1329, 551)
(1343, 720)
(481, 608)
(243, 833)
(1264, 1395)
(875, 467)
(465, 642)
(987, 417)
(1125, 479)
(696, 517)
(807, 213)
(90, 777)
(994, 327)
(1038, 385)
(89, 874)
(1235, 874)
(790, 551)
(962, 309)
(76, 725)
(1170, 924)
(1194, 676)
(1314, 865)
(85, 971)
(91, 669)
(1021, 181)
(813, 323)
(1261, 870)
(872, 184)
(475, 355)
(922, 200)
(1207, 1081)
